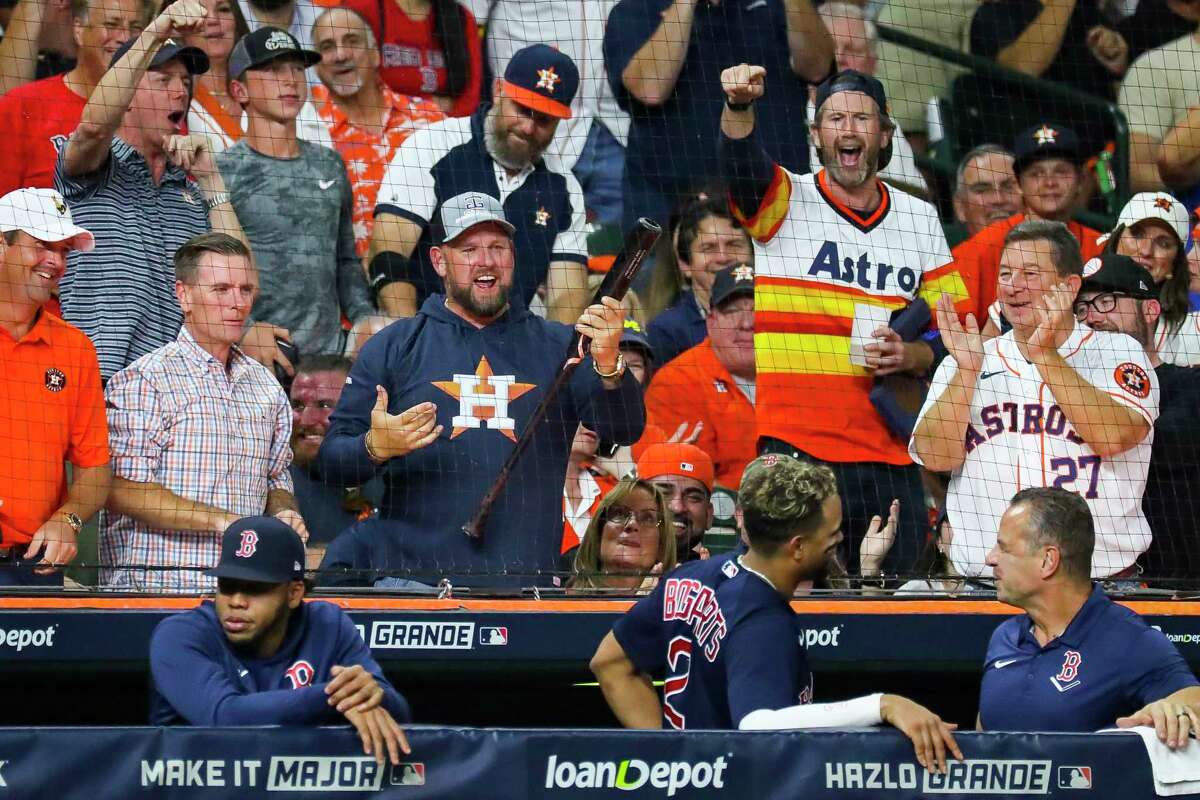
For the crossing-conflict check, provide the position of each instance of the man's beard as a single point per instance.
(462, 295)
(344, 89)
(303, 454)
(851, 177)
(499, 147)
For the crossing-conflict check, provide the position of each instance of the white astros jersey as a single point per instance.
(1181, 348)
(1019, 437)
(819, 266)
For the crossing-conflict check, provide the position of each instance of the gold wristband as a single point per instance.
(371, 454)
(617, 372)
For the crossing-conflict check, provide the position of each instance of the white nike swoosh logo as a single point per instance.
(756, 4)
(243, 673)
(326, 184)
(1005, 663)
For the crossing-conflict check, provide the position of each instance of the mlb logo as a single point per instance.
(1074, 777)
(493, 636)
(409, 774)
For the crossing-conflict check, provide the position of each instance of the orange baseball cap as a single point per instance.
(673, 458)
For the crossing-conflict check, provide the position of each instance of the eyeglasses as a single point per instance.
(1102, 303)
(620, 516)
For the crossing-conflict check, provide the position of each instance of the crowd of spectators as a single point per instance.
(323, 261)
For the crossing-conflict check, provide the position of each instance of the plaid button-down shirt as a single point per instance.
(178, 419)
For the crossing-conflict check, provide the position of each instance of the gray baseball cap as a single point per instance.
(469, 209)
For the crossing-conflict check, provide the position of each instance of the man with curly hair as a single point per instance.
(723, 633)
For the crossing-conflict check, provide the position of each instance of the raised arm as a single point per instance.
(1034, 50)
(1109, 427)
(1178, 157)
(651, 74)
(747, 169)
(87, 149)
(938, 440)
(809, 42)
(19, 47)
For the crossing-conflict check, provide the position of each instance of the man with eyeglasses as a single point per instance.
(1121, 297)
(985, 188)
(1048, 164)
(1050, 403)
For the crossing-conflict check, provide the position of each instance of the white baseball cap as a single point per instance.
(43, 214)
(1156, 205)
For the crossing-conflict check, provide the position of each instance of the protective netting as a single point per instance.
(311, 261)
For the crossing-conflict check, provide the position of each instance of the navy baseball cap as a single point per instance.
(263, 46)
(851, 80)
(732, 282)
(542, 78)
(1116, 273)
(193, 59)
(1046, 141)
(634, 336)
(260, 549)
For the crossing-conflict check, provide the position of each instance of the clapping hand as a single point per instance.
(962, 340)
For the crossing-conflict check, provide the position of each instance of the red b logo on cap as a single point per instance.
(248, 546)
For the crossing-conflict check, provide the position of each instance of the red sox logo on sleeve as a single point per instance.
(1068, 674)
(300, 674)
(248, 546)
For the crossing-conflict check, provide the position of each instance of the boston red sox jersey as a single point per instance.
(1106, 664)
(725, 641)
(1018, 436)
(201, 679)
(819, 267)
(1182, 347)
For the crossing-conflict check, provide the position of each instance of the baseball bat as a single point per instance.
(637, 245)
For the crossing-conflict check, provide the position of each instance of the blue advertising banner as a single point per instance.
(499, 764)
(837, 635)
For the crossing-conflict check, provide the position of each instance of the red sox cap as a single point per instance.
(260, 549)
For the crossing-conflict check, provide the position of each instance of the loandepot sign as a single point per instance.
(632, 774)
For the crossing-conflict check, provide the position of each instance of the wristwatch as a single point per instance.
(216, 200)
(617, 372)
(73, 520)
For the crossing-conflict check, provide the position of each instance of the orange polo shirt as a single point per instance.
(51, 411)
(695, 386)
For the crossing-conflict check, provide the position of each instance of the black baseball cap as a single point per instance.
(264, 46)
(851, 80)
(260, 549)
(1111, 272)
(732, 282)
(193, 59)
(1043, 141)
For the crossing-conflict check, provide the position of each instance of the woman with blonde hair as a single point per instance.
(630, 541)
